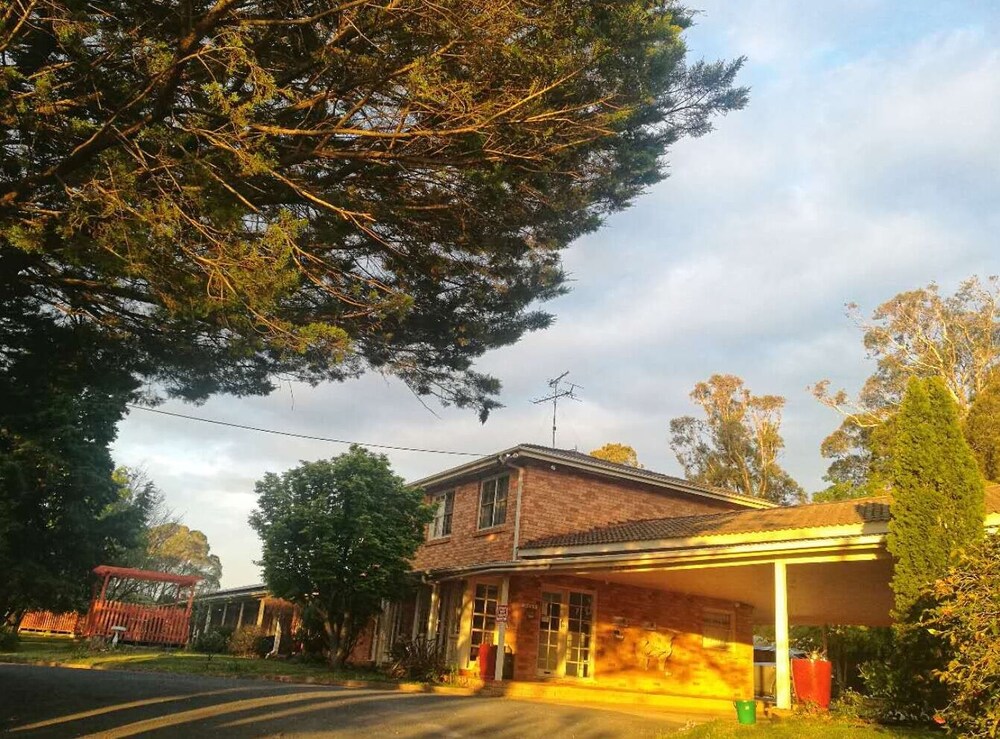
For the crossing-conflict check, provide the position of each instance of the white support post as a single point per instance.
(501, 629)
(783, 678)
(208, 616)
(432, 613)
(239, 618)
(225, 609)
(260, 612)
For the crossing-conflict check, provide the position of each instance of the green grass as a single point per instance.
(819, 727)
(67, 652)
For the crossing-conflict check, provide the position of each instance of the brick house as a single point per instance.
(594, 574)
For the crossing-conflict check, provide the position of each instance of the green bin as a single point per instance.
(746, 711)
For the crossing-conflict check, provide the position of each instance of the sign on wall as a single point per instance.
(502, 614)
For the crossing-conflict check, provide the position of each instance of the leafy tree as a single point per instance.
(618, 453)
(737, 444)
(166, 544)
(938, 499)
(236, 189)
(337, 536)
(965, 617)
(982, 428)
(917, 333)
(61, 513)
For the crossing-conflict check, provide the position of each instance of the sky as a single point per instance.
(867, 163)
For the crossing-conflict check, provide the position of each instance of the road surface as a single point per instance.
(60, 702)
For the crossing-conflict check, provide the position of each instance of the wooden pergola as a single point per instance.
(138, 623)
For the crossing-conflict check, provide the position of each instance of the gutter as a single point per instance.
(871, 546)
(508, 462)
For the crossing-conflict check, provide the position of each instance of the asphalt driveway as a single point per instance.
(61, 702)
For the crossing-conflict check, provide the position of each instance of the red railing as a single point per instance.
(50, 623)
(142, 624)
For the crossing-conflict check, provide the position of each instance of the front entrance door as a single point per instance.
(565, 633)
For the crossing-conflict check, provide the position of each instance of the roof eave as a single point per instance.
(513, 453)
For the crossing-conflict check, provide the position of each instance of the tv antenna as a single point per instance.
(554, 396)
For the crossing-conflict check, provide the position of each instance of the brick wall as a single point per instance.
(563, 500)
(634, 630)
(467, 545)
(554, 501)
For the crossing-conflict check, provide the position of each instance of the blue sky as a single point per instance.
(866, 163)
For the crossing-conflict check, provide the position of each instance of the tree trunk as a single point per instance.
(334, 634)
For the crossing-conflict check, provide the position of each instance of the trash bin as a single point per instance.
(487, 659)
(508, 664)
(746, 711)
(812, 679)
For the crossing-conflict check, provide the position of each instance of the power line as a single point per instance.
(299, 436)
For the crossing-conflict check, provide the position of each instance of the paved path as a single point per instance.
(60, 702)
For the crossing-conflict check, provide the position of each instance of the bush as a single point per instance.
(211, 642)
(967, 619)
(9, 640)
(250, 641)
(418, 659)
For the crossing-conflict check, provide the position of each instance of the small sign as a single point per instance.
(502, 614)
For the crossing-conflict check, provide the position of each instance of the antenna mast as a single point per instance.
(554, 398)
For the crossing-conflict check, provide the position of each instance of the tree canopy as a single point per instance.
(618, 453)
(916, 333)
(738, 442)
(337, 536)
(237, 189)
(61, 513)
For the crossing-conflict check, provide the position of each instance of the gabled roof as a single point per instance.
(593, 465)
(807, 516)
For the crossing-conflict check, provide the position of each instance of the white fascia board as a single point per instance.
(714, 541)
(464, 469)
(865, 547)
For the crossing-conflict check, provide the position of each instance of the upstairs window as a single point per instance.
(493, 502)
(444, 505)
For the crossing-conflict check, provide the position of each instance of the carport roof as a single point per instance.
(807, 516)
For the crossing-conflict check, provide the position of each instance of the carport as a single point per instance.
(805, 565)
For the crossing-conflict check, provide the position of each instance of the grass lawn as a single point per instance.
(65, 651)
(824, 727)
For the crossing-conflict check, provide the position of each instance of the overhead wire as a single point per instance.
(296, 435)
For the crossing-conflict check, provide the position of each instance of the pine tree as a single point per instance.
(938, 497)
(982, 428)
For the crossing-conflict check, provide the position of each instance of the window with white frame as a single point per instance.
(493, 502)
(717, 629)
(444, 504)
(484, 618)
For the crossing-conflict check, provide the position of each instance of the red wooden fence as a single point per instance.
(143, 624)
(50, 623)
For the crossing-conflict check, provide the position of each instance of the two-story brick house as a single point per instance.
(562, 626)
(593, 573)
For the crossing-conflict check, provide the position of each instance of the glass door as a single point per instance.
(565, 634)
(578, 631)
(549, 628)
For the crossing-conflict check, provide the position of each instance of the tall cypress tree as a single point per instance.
(982, 428)
(938, 498)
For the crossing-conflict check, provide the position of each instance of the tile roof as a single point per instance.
(810, 515)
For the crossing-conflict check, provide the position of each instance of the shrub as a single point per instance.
(418, 659)
(9, 640)
(250, 641)
(211, 642)
(967, 619)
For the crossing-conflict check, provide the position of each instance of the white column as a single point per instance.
(501, 629)
(432, 614)
(416, 614)
(260, 612)
(208, 616)
(783, 688)
(239, 619)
